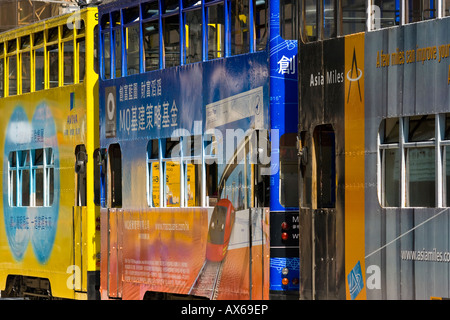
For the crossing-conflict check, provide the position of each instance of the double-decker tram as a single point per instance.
(198, 124)
(49, 221)
(374, 148)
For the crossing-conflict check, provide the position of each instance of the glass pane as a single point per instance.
(172, 188)
(391, 131)
(216, 32)
(149, 9)
(386, 13)
(53, 65)
(170, 6)
(132, 41)
(68, 63)
(12, 75)
(13, 188)
(25, 182)
(39, 69)
(151, 45)
(50, 185)
(106, 56)
(288, 21)
(310, 23)
(353, 16)
(193, 30)
(39, 187)
(26, 72)
(118, 52)
(391, 190)
(240, 35)
(421, 175)
(421, 128)
(171, 41)
(329, 24)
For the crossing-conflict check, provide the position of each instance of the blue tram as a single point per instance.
(198, 107)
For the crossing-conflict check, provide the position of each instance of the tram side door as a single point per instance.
(80, 220)
(115, 221)
(318, 216)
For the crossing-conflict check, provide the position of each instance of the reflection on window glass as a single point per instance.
(240, 35)
(39, 69)
(216, 32)
(106, 56)
(193, 31)
(151, 45)
(421, 177)
(171, 36)
(118, 53)
(12, 77)
(132, 36)
(391, 186)
(53, 65)
(68, 62)
(26, 70)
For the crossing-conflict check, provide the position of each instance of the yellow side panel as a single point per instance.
(354, 158)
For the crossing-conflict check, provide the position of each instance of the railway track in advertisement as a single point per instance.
(208, 280)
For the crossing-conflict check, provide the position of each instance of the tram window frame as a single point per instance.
(25, 64)
(31, 178)
(38, 56)
(12, 65)
(2, 70)
(132, 44)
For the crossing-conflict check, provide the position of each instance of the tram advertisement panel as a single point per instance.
(220, 251)
(407, 82)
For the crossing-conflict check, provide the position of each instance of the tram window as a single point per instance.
(81, 53)
(261, 24)
(38, 176)
(106, 56)
(150, 9)
(26, 72)
(192, 151)
(391, 185)
(172, 173)
(115, 174)
(240, 35)
(171, 29)
(12, 74)
(353, 16)
(447, 8)
(216, 31)
(131, 15)
(329, 19)
(421, 128)
(132, 48)
(193, 31)
(153, 174)
(53, 65)
(80, 175)
(419, 10)
(39, 69)
(421, 177)
(52, 34)
(305, 171)
(12, 179)
(24, 174)
(118, 52)
(49, 176)
(170, 6)
(309, 27)
(389, 13)
(97, 158)
(288, 170)
(151, 45)
(391, 133)
(288, 19)
(68, 62)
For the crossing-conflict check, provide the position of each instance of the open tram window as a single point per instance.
(240, 27)
(216, 31)
(261, 24)
(153, 174)
(115, 176)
